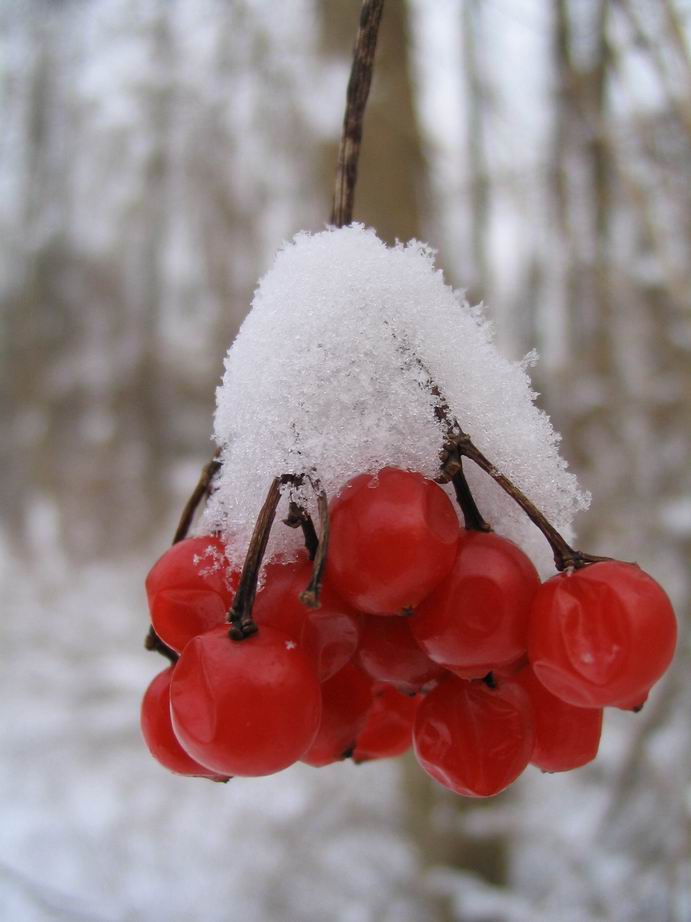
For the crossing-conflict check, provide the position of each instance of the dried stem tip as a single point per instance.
(242, 624)
(310, 597)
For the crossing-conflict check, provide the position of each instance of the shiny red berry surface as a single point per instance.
(245, 708)
(329, 634)
(388, 653)
(477, 617)
(189, 590)
(157, 731)
(473, 739)
(346, 700)
(601, 635)
(388, 729)
(393, 538)
(566, 736)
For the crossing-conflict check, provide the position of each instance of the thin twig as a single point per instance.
(208, 473)
(356, 100)
(299, 517)
(240, 615)
(459, 445)
(152, 641)
(310, 597)
(471, 514)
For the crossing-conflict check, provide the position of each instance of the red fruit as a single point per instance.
(388, 653)
(346, 699)
(190, 589)
(477, 617)
(601, 635)
(157, 731)
(474, 739)
(566, 737)
(393, 538)
(329, 634)
(249, 707)
(388, 729)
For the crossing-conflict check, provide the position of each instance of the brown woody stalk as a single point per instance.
(310, 597)
(200, 492)
(356, 101)
(299, 517)
(459, 445)
(240, 615)
(152, 641)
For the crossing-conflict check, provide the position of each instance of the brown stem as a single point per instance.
(310, 597)
(356, 100)
(200, 491)
(299, 517)
(242, 624)
(153, 642)
(471, 514)
(459, 445)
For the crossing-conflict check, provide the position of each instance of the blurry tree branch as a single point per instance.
(655, 51)
(477, 156)
(676, 30)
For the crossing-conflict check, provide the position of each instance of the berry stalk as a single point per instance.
(471, 514)
(310, 597)
(152, 641)
(299, 517)
(459, 445)
(200, 492)
(242, 624)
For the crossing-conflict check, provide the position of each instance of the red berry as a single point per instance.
(346, 699)
(474, 739)
(477, 617)
(249, 707)
(190, 589)
(388, 653)
(157, 731)
(393, 538)
(388, 729)
(329, 634)
(601, 635)
(566, 736)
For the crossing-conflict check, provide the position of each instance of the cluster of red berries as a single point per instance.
(427, 634)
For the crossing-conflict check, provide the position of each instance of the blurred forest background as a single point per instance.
(153, 156)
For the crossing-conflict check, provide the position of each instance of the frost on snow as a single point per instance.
(324, 378)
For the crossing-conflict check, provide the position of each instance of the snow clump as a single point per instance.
(324, 378)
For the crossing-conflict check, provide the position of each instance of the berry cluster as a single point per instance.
(427, 634)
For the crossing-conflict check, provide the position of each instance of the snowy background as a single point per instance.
(153, 157)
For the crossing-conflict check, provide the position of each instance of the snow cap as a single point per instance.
(325, 379)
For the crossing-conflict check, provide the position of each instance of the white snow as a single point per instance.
(324, 379)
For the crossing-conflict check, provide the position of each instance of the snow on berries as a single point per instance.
(365, 407)
(326, 375)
